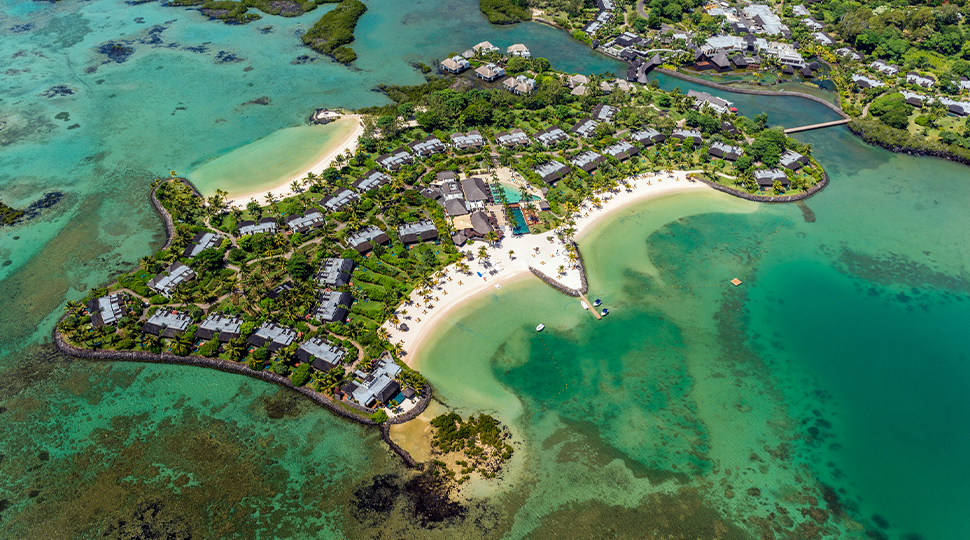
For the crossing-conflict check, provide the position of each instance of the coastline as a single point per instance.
(737, 88)
(458, 288)
(281, 187)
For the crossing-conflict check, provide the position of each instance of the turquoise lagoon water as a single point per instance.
(835, 375)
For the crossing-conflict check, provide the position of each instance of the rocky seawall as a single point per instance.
(766, 198)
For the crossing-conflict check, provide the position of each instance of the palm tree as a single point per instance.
(236, 348)
(147, 264)
(491, 237)
(151, 342)
(482, 252)
(295, 186)
(73, 307)
(183, 344)
(511, 253)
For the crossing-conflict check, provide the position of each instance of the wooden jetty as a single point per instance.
(592, 309)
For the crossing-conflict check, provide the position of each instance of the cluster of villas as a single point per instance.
(370, 389)
(492, 72)
(883, 74)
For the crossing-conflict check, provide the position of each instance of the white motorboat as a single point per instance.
(605, 312)
(597, 302)
(585, 305)
(540, 327)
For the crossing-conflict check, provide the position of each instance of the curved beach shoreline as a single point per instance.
(280, 186)
(458, 288)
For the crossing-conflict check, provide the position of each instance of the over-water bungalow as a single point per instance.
(490, 72)
(456, 64)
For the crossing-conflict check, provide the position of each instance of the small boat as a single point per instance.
(605, 312)
(479, 274)
(585, 305)
(540, 327)
(597, 302)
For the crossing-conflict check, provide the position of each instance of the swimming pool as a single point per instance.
(519, 226)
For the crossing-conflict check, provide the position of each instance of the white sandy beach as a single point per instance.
(456, 287)
(282, 189)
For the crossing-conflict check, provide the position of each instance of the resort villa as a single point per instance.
(310, 219)
(766, 178)
(321, 354)
(202, 241)
(791, 159)
(219, 326)
(333, 306)
(334, 272)
(395, 160)
(588, 161)
(427, 146)
(167, 323)
(585, 128)
(551, 136)
(371, 180)
(106, 310)
(512, 139)
(173, 276)
(725, 151)
(418, 231)
(621, 151)
(472, 140)
(266, 225)
(364, 240)
(490, 72)
(339, 200)
(647, 137)
(691, 136)
(552, 171)
(272, 336)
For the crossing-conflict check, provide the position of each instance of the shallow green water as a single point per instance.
(260, 165)
(837, 368)
(838, 363)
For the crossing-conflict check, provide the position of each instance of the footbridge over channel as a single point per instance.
(844, 121)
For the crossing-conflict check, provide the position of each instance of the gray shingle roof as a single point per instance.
(173, 276)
